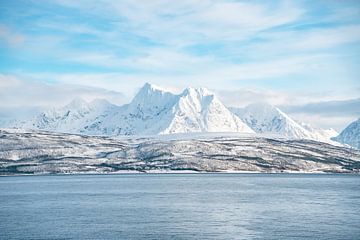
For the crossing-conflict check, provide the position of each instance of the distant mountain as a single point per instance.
(265, 118)
(350, 135)
(268, 119)
(71, 117)
(152, 111)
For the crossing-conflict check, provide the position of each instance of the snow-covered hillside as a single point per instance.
(39, 152)
(72, 117)
(264, 118)
(152, 111)
(350, 135)
(268, 119)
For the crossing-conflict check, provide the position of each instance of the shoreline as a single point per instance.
(185, 173)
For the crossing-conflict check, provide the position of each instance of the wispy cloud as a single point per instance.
(350, 107)
(20, 92)
(327, 114)
(194, 21)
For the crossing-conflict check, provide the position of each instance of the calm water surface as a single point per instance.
(180, 206)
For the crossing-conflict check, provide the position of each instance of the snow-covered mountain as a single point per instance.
(350, 135)
(156, 111)
(72, 117)
(198, 110)
(268, 119)
(265, 118)
(152, 111)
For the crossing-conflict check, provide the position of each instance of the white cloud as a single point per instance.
(292, 42)
(309, 102)
(160, 60)
(243, 97)
(327, 38)
(173, 69)
(347, 107)
(237, 20)
(336, 122)
(16, 92)
(179, 23)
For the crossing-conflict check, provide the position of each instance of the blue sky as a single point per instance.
(285, 52)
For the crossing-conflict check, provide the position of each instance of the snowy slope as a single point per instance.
(72, 117)
(265, 118)
(198, 110)
(350, 135)
(268, 119)
(146, 114)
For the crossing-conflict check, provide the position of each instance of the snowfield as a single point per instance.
(40, 152)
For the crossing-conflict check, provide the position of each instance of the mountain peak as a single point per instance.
(148, 88)
(350, 135)
(263, 110)
(265, 118)
(151, 96)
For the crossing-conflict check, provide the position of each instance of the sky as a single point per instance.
(302, 56)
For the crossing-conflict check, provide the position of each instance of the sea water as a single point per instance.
(180, 206)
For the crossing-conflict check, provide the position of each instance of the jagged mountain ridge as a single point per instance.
(152, 111)
(156, 111)
(350, 135)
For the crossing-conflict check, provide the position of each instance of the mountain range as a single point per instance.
(156, 111)
(152, 111)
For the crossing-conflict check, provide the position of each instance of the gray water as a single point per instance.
(180, 206)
